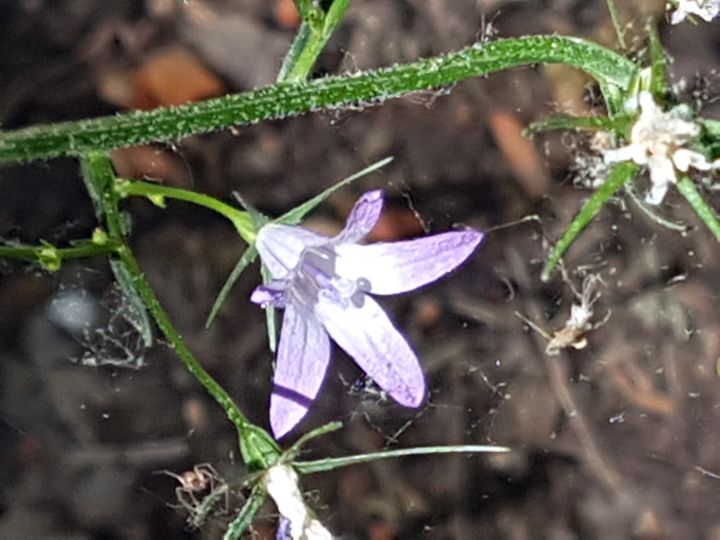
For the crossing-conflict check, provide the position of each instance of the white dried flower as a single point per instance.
(659, 140)
(705, 9)
(281, 483)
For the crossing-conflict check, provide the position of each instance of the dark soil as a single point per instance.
(619, 439)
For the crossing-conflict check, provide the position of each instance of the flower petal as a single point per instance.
(366, 334)
(272, 294)
(662, 173)
(684, 158)
(280, 246)
(678, 16)
(362, 218)
(302, 360)
(395, 267)
(631, 152)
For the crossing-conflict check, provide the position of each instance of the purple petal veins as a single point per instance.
(280, 246)
(362, 219)
(397, 267)
(302, 360)
(323, 284)
(368, 336)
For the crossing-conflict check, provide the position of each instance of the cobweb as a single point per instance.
(125, 339)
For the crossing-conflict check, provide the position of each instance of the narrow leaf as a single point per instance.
(621, 174)
(270, 318)
(658, 65)
(294, 216)
(138, 310)
(617, 23)
(244, 519)
(321, 465)
(692, 194)
(295, 449)
(617, 125)
(246, 259)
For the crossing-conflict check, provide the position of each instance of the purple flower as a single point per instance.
(324, 284)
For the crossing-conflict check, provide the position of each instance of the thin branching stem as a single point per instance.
(241, 220)
(35, 253)
(258, 448)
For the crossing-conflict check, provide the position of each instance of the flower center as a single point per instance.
(316, 276)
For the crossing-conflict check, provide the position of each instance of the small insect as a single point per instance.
(574, 332)
(366, 389)
(199, 491)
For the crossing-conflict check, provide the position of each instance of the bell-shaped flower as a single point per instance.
(325, 286)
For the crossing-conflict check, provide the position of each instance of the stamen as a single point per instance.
(316, 275)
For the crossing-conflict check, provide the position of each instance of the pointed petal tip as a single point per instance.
(467, 241)
(285, 414)
(411, 398)
(472, 237)
(373, 195)
(362, 218)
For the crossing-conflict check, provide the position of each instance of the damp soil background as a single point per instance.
(619, 439)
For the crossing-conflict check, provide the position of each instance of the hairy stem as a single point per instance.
(613, 72)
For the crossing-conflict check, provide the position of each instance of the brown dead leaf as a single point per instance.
(396, 224)
(286, 14)
(150, 162)
(381, 530)
(173, 76)
(520, 153)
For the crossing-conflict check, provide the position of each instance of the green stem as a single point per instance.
(315, 31)
(613, 72)
(177, 343)
(618, 177)
(306, 9)
(258, 448)
(692, 194)
(617, 23)
(617, 125)
(241, 220)
(35, 253)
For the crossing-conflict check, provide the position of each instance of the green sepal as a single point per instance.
(258, 449)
